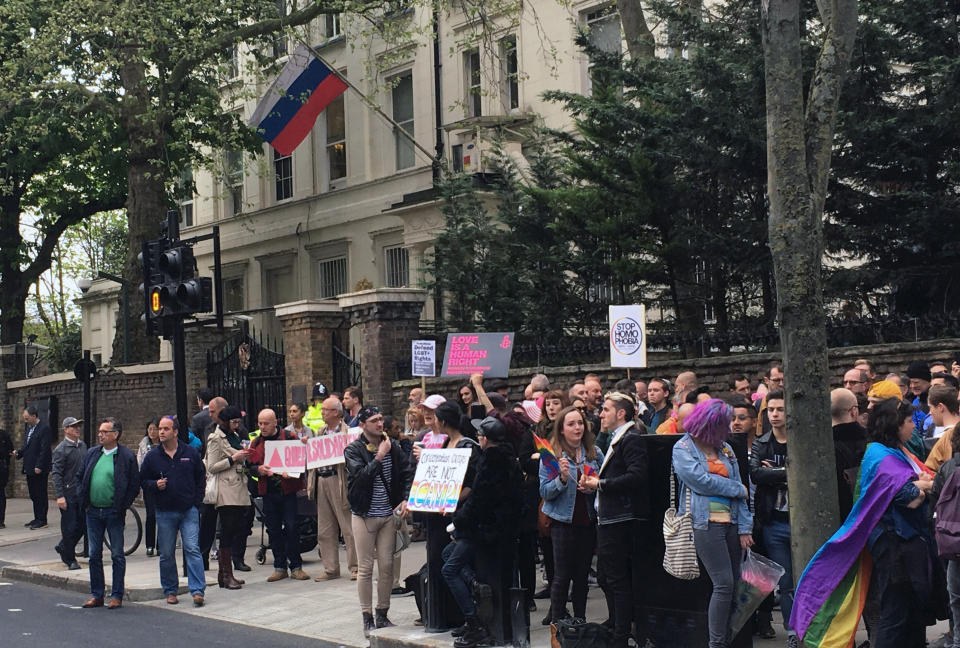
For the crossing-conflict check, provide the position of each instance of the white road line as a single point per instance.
(14, 610)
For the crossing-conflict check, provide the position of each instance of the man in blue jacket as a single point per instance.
(109, 483)
(175, 472)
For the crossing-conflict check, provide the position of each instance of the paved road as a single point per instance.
(41, 617)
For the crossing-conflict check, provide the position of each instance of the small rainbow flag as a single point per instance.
(832, 590)
(588, 470)
(547, 456)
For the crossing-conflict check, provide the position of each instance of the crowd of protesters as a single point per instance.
(557, 479)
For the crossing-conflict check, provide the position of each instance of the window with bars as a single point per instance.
(332, 277)
(511, 73)
(472, 76)
(402, 99)
(233, 298)
(397, 266)
(336, 139)
(283, 171)
(233, 165)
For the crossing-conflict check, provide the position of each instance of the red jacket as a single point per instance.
(288, 485)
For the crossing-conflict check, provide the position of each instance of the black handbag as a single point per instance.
(567, 634)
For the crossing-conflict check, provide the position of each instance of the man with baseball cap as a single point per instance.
(67, 459)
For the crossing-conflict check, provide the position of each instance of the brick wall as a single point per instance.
(714, 372)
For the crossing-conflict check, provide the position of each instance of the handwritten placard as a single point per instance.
(327, 450)
(482, 353)
(285, 457)
(439, 480)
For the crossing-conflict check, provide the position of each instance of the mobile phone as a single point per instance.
(418, 444)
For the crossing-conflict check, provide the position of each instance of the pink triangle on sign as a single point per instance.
(275, 460)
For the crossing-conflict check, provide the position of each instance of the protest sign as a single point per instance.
(423, 358)
(628, 336)
(436, 486)
(285, 457)
(327, 450)
(482, 353)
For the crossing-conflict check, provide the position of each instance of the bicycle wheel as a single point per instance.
(132, 532)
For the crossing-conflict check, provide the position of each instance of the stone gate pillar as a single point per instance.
(309, 327)
(387, 319)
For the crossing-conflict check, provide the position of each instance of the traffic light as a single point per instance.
(152, 282)
(182, 292)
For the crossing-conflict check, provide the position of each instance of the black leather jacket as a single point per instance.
(624, 493)
(362, 470)
(768, 479)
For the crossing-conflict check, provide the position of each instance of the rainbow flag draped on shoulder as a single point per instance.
(833, 588)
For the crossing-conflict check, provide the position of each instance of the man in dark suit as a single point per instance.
(36, 457)
(201, 422)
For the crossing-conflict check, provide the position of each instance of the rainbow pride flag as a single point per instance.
(833, 588)
(588, 470)
(547, 456)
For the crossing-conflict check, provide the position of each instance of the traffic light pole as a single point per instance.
(179, 342)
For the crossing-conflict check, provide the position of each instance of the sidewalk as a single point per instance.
(327, 613)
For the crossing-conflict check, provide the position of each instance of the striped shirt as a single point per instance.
(380, 501)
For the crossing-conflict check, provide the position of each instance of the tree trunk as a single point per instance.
(798, 164)
(146, 203)
(640, 41)
(13, 292)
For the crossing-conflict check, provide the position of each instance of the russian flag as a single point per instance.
(303, 89)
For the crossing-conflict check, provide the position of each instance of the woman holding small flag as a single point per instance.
(885, 538)
(722, 522)
(570, 506)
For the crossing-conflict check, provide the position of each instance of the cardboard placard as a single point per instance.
(423, 358)
(285, 457)
(628, 336)
(327, 450)
(439, 480)
(478, 353)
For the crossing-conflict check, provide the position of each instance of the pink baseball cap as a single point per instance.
(433, 401)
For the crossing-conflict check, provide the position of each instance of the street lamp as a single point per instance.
(125, 307)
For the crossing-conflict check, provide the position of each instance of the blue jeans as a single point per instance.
(102, 521)
(188, 524)
(776, 539)
(458, 571)
(280, 516)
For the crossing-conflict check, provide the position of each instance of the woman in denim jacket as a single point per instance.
(722, 522)
(570, 506)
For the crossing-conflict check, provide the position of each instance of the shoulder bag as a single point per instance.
(680, 554)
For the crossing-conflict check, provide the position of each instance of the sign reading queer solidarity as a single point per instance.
(482, 353)
(423, 358)
(327, 450)
(628, 338)
(436, 486)
(285, 457)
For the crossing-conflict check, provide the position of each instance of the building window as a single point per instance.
(184, 191)
(331, 26)
(280, 40)
(233, 298)
(397, 265)
(280, 286)
(603, 29)
(471, 73)
(332, 277)
(233, 62)
(511, 73)
(336, 139)
(456, 152)
(402, 95)
(233, 165)
(283, 170)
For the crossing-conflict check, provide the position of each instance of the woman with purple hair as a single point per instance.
(722, 523)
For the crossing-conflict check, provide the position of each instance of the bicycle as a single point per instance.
(132, 533)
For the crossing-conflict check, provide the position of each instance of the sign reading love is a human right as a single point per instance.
(478, 353)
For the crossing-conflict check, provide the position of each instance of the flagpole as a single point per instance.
(370, 104)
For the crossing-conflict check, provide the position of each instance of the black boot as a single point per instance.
(458, 632)
(381, 620)
(476, 635)
(368, 624)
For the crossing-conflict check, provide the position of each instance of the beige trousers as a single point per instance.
(333, 518)
(375, 537)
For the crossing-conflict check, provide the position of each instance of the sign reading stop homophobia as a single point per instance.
(478, 353)
(628, 336)
(439, 479)
(327, 450)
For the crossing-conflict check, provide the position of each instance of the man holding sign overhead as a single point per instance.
(279, 494)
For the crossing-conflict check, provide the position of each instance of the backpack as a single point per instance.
(947, 528)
